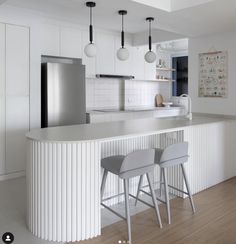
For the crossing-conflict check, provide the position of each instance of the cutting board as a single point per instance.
(159, 100)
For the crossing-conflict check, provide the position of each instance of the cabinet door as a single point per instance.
(71, 43)
(50, 40)
(17, 60)
(90, 63)
(124, 67)
(2, 98)
(17, 125)
(105, 54)
(138, 63)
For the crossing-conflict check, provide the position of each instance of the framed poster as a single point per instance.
(213, 74)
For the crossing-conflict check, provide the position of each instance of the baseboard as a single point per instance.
(12, 175)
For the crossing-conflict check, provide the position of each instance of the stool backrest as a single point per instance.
(138, 159)
(175, 151)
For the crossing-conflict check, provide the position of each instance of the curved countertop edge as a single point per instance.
(120, 129)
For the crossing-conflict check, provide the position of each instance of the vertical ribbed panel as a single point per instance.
(63, 190)
(63, 179)
(212, 154)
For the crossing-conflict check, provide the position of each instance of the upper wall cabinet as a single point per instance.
(90, 63)
(17, 60)
(138, 63)
(71, 43)
(124, 67)
(50, 39)
(105, 54)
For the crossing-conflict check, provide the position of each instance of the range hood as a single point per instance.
(125, 77)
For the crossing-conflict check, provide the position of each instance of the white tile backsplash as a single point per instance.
(142, 93)
(104, 93)
(115, 93)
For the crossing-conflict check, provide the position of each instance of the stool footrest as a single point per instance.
(178, 190)
(142, 201)
(113, 211)
(147, 193)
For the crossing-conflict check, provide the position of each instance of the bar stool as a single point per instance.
(176, 154)
(137, 163)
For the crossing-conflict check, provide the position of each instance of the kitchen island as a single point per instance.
(64, 174)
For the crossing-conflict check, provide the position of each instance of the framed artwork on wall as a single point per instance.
(213, 74)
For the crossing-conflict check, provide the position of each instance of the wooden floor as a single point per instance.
(213, 223)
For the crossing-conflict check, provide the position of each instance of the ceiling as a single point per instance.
(172, 5)
(211, 16)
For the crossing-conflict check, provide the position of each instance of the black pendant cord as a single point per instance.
(91, 5)
(122, 33)
(150, 19)
(150, 37)
(91, 27)
(122, 13)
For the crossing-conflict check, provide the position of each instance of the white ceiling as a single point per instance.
(172, 5)
(210, 17)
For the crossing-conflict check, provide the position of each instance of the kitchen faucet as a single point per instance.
(189, 114)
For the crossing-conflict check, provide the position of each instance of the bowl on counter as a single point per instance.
(167, 104)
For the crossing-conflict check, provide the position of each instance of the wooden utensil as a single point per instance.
(159, 100)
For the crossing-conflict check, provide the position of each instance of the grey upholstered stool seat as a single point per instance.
(137, 163)
(176, 154)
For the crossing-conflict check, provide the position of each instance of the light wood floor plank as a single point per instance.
(214, 222)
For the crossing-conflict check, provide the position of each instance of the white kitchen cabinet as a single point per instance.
(90, 63)
(14, 97)
(2, 98)
(105, 59)
(17, 60)
(138, 62)
(71, 43)
(17, 125)
(124, 67)
(50, 40)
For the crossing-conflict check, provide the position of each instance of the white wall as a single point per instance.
(222, 42)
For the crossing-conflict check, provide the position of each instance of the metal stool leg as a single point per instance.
(139, 187)
(188, 188)
(104, 178)
(154, 199)
(161, 181)
(126, 190)
(167, 195)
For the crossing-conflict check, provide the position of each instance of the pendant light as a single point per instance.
(90, 49)
(122, 53)
(150, 56)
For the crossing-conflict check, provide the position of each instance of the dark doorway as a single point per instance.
(180, 75)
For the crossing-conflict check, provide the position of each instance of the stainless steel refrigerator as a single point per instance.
(63, 99)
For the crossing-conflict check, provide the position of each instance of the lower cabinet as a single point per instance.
(17, 125)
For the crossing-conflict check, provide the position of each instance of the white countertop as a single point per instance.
(110, 130)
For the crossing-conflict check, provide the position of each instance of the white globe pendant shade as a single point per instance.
(150, 57)
(122, 54)
(90, 50)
